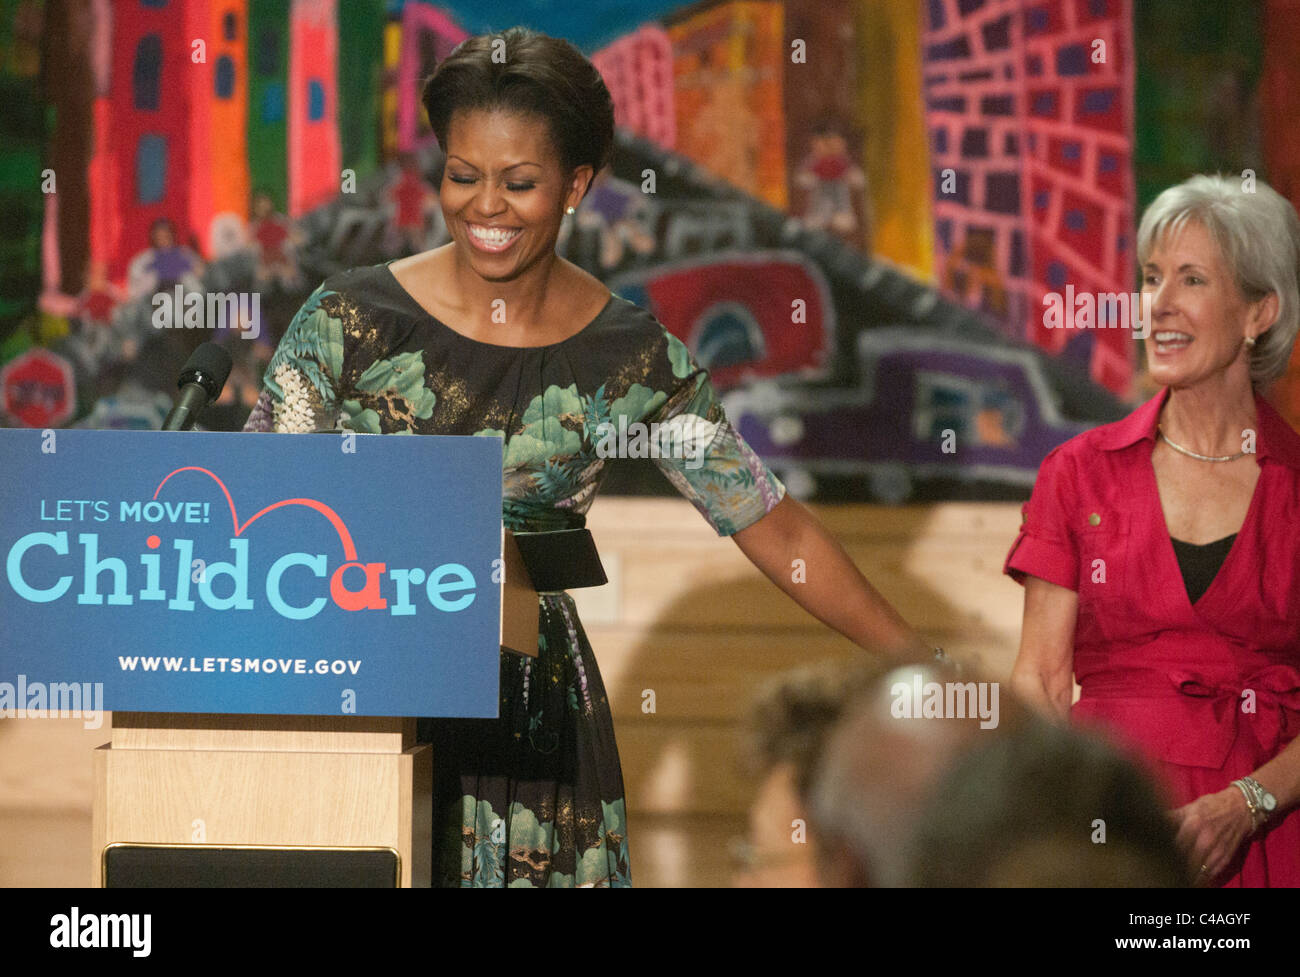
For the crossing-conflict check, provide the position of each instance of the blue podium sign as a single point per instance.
(251, 573)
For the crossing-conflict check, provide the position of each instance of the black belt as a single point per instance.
(562, 559)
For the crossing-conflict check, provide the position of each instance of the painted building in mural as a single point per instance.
(314, 151)
(225, 129)
(210, 100)
(22, 136)
(153, 169)
(729, 64)
(1029, 110)
(360, 85)
(427, 36)
(268, 86)
(638, 70)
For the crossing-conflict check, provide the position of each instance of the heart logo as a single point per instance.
(345, 537)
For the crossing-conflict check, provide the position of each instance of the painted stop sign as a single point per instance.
(38, 388)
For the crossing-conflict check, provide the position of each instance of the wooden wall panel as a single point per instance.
(687, 617)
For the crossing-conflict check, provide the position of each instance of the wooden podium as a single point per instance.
(287, 782)
(205, 782)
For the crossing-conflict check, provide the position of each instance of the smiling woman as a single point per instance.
(505, 192)
(495, 335)
(1161, 554)
(526, 123)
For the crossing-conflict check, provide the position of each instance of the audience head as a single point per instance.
(877, 773)
(1044, 805)
(974, 789)
(790, 719)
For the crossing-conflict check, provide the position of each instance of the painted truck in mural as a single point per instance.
(928, 408)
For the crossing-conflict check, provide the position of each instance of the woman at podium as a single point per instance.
(494, 334)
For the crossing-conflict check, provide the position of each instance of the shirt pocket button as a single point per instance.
(1103, 556)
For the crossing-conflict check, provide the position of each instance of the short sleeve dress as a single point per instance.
(535, 797)
(1203, 691)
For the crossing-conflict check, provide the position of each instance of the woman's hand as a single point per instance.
(1211, 829)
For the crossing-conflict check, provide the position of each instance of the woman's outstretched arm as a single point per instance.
(829, 587)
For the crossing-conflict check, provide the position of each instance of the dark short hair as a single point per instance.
(538, 75)
(793, 714)
(1022, 808)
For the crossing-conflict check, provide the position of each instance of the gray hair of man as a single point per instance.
(875, 778)
(1258, 233)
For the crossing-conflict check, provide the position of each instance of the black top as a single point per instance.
(1200, 563)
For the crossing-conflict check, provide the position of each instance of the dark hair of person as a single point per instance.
(793, 714)
(1026, 809)
(531, 74)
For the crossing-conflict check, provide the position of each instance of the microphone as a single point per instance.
(204, 375)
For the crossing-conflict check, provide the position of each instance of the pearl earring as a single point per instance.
(1250, 342)
(570, 210)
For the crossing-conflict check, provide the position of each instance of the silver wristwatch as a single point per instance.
(1262, 804)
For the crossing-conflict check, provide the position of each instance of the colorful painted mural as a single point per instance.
(914, 176)
(729, 64)
(1030, 116)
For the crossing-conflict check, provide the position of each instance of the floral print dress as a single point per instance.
(535, 797)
